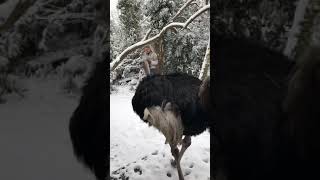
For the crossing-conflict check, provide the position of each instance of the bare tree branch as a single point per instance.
(181, 9)
(195, 15)
(119, 59)
(195, 3)
(173, 19)
(17, 12)
(147, 35)
(133, 47)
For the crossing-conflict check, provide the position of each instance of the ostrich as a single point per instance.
(266, 112)
(171, 104)
(250, 84)
(88, 124)
(302, 110)
(205, 95)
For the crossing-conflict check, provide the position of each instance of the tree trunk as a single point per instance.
(295, 29)
(204, 72)
(158, 48)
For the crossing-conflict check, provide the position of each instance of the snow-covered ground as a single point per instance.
(138, 151)
(34, 139)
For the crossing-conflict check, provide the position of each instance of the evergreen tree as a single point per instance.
(161, 12)
(309, 34)
(130, 19)
(183, 50)
(266, 21)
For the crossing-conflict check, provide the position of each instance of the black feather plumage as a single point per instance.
(88, 124)
(179, 89)
(249, 86)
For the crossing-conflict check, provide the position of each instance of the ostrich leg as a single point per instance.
(175, 153)
(186, 142)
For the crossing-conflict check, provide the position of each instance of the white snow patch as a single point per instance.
(34, 136)
(76, 63)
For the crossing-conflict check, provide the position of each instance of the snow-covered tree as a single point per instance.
(309, 33)
(185, 50)
(161, 12)
(130, 18)
(179, 40)
(267, 21)
(296, 27)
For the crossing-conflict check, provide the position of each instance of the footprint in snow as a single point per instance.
(173, 163)
(205, 160)
(137, 169)
(155, 153)
(187, 172)
(191, 165)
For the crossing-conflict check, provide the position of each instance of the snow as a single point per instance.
(138, 151)
(77, 63)
(113, 5)
(114, 12)
(34, 136)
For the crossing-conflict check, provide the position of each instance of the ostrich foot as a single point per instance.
(175, 153)
(173, 163)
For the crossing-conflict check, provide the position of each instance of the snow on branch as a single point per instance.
(188, 3)
(147, 35)
(182, 8)
(195, 15)
(172, 25)
(119, 59)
